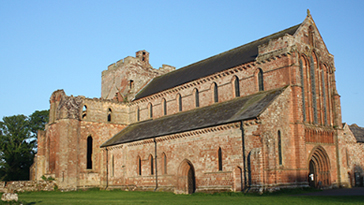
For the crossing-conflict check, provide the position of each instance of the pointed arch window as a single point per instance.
(280, 160)
(109, 112)
(139, 166)
(151, 161)
(179, 99)
(216, 93)
(313, 86)
(164, 107)
(236, 87)
(89, 153)
(219, 159)
(303, 90)
(260, 80)
(197, 98)
(150, 107)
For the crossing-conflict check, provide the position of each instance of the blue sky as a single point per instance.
(50, 45)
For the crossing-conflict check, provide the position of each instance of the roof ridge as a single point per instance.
(230, 50)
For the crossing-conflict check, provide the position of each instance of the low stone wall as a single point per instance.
(22, 186)
(2, 187)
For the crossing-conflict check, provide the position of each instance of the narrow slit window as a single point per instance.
(216, 93)
(109, 115)
(151, 165)
(179, 99)
(164, 107)
(197, 98)
(89, 153)
(137, 114)
(150, 110)
(310, 35)
(260, 80)
(280, 148)
(131, 84)
(139, 169)
(219, 156)
(143, 58)
(236, 87)
(84, 112)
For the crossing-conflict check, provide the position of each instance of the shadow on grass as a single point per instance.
(287, 192)
(94, 196)
(293, 194)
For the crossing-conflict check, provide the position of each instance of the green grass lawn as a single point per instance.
(124, 197)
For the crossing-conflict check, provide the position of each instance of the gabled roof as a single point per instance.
(358, 132)
(229, 59)
(238, 109)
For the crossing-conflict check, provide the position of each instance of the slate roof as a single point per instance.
(238, 109)
(232, 58)
(358, 132)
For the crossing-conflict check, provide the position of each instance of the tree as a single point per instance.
(18, 144)
(37, 121)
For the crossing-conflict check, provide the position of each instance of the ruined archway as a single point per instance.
(186, 181)
(319, 168)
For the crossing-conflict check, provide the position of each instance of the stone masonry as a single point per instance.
(286, 130)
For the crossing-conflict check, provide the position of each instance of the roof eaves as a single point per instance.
(235, 110)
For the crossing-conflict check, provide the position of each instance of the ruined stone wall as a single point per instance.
(22, 186)
(104, 111)
(123, 79)
(38, 167)
(62, 148)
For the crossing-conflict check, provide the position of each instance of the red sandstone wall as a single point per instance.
(198, 148)
(275, 76)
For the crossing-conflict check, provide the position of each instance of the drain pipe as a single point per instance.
(244, 160)
(156, 168)
(107, 168)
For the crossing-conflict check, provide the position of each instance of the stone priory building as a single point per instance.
(262, 116)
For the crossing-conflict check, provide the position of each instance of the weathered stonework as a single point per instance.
(22, 186)
(294, 139)
(123, 79)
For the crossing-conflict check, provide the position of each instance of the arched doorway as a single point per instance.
(319, 168)
(312, 174)
(191, 185)
(186, 181)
